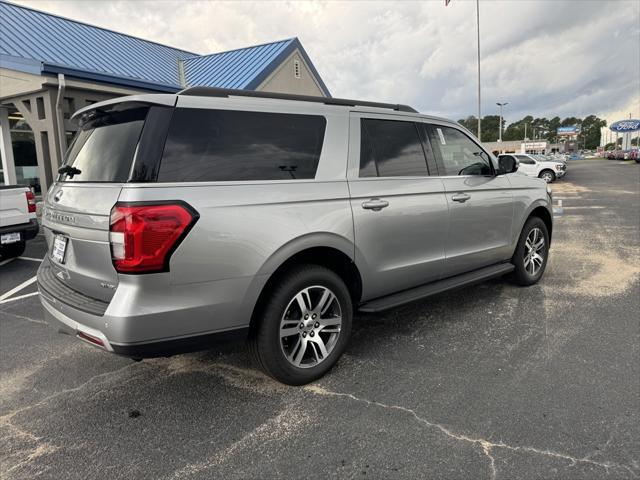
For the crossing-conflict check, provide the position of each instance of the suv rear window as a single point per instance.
(104, 147)
(228, 145)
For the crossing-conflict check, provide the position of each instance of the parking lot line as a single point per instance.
(24, 284)
(4, 262)
(31, 259)
(13, 299)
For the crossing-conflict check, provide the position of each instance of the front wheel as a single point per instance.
(547, 175)
(532, 252)
(304, 326)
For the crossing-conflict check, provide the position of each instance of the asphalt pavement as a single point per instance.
(491, 381)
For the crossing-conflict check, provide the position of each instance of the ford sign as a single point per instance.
(625, 126)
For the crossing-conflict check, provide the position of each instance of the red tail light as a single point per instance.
(144, 235)
(31, 201)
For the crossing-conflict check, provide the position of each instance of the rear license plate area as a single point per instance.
(59, 250)
(9, 238)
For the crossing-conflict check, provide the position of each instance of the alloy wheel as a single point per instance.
(547, 177)
(310, 326)
(534, 251)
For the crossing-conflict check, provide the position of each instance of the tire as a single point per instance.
(548, 176)
(278, 356)
(526, 274)
(13, 250)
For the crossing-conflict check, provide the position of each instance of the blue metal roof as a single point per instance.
(39, 42)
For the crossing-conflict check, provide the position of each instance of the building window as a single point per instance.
(296, 68)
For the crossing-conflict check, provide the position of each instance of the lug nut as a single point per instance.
(306, 317)
(312, 333)
(301, 325)
(304, 334)
(314, 316)
(317, 324)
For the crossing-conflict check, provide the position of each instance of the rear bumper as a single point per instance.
(148, 316)
(27, 230)
(160, 348)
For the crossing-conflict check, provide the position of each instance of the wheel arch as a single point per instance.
(326, 249)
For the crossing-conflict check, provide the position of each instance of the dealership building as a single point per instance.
(51, 66)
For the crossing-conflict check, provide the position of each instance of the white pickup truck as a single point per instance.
(548, 170)
(18, 221)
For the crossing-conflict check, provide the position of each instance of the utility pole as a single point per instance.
(500, 126)
(479, 98)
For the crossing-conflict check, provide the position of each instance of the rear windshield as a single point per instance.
(104, 147)
(227, 145)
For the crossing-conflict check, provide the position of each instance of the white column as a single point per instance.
(6, 149)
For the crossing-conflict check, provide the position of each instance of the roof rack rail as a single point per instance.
(226, 92)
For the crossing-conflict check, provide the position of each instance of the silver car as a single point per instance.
(179, 221)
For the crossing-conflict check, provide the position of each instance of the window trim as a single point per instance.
(405, 119)
(438, 153)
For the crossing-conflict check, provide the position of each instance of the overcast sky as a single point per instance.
(546, 57)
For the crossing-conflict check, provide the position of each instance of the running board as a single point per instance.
(423, 291)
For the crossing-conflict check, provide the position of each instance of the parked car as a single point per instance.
(18, 221)
(611, 155)
(210, 215)
(547, 170)
(550, 158)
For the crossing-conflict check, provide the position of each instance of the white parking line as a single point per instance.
(24, 284)
(31, 259)
(4, 262)
(12, 299)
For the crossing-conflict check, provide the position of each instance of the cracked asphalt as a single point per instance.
(492, 381)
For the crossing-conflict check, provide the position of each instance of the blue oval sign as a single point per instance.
(624, 126)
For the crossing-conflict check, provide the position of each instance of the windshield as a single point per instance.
(103, 149)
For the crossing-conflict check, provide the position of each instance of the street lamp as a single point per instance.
(500, 126)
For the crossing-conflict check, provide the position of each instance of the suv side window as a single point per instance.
(390, 148)
(228, 145)
(526, 159)
(459, 155)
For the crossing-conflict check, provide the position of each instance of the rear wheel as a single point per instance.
(12, 250)
(532, 252)
(547, 175)
(304, 326)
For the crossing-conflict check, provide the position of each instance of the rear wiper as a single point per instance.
(69, 170)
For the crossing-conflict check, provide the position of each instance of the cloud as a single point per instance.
(546, 58)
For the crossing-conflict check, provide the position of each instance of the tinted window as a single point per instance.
(227, 145)
(390, 148)
(103, 149)
(459, 154)
(525, 159)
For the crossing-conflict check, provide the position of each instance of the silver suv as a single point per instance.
(210, 215)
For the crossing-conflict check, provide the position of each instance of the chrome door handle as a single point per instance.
(461, 197)
(375, 204)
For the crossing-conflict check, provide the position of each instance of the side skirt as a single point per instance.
(423, 291)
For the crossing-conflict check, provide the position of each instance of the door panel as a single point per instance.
(400, 222)
(401, 245)
(480, 203)
(480, 227)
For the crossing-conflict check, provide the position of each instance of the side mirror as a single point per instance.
(507, 165)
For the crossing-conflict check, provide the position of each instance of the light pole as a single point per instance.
(479, 102)
(500, 126)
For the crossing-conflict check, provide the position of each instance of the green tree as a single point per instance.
(490, 131)
(570, 121)
(470, 123)
(590, 134)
